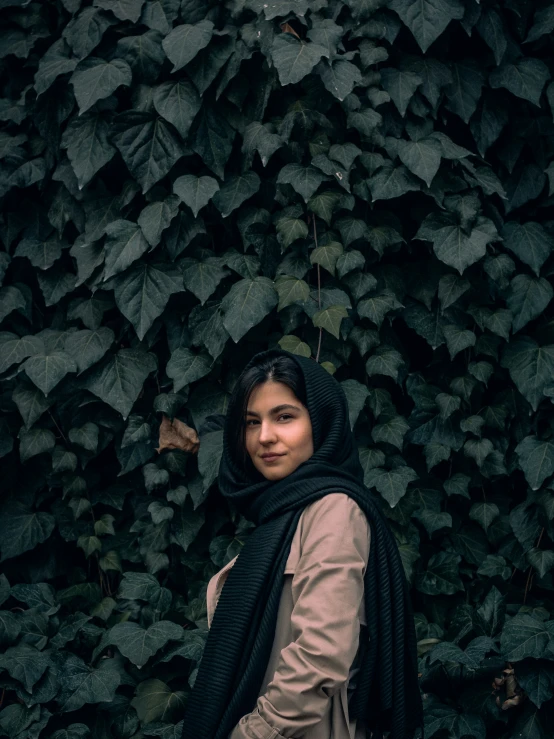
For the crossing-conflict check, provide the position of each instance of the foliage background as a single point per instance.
(187, 182)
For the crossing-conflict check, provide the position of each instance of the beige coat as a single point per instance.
(313, 662)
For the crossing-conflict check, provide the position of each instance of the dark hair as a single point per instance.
(277, 369)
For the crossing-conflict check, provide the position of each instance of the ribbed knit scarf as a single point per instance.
(242, 631)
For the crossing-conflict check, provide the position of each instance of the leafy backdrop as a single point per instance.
(187, 182)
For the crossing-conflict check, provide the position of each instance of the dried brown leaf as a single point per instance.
(286, 28)
(177, 435)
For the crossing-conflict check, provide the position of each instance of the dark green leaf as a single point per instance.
(156, 217)
(525, 78)
(536, 459)
(119, 380)
(46, 368)
(295, 59)
(125, 10)
(246, 304)
(427, 19)
(184, 42)
(185, 367)
(178, 102)
(235, 191)
(124, 245)
(142, 292)
(401, 86)
(88, 147)
(95, 79)
(22, 529)
(148, 145)
(88, 347)
(528, 241)
(527, 298)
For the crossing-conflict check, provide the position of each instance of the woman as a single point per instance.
(310, 505)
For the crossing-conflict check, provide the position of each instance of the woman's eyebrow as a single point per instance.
(275, 410)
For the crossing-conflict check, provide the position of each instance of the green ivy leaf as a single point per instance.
(178, 102)
(384, 361)
(47, 368)
(25, 664)
(148, 145)
(293, 344)
(95, 79)
(235, 191)
(81, 684)
(125, 244)
(442, 575)
(392, 484)
(185, 367)
(213, 139)
(327, 256)
(138, 644)
(339, 77)
(330, 319)
(119, 380)
(376, 307)
(289, 227)
(88, 146)
(452, 245)
(30, 402)
(125, 10)
(422, 157)
(295, 59)
(400, 85)
(202, 278)
(184, 42)
(305, 180)
(22, 529)
(523, 636)
(54, 63)
(246, 304)
(427, 19)
(527, 298)
(155, 700)
(259, 137)
(528, 241)
(391, 182)
(525, 78)
(142, 292)
(144, 54)
(536, 459)
(89, 346)
(156, 217)
(14, 349)
(543, 23)
(291, 290)
(195, 192)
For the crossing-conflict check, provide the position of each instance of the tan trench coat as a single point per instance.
(314, 659)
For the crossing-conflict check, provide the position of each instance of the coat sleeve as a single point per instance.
(327, 589)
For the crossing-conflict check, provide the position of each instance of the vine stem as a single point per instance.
(318, 294)
(56, 424)
(531, 573)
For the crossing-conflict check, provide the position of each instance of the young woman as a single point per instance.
(313, 633)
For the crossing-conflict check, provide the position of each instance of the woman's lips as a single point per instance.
(272, 458)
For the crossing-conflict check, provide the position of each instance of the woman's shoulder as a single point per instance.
(335, 513)
(340, 504)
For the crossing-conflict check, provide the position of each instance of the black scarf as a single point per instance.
(239, 643)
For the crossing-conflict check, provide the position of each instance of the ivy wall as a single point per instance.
(184, 183)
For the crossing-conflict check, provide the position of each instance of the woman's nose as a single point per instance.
(267, 432)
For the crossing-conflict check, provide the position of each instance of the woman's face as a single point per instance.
(277, 422)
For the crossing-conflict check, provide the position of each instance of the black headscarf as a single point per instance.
(239, 643)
